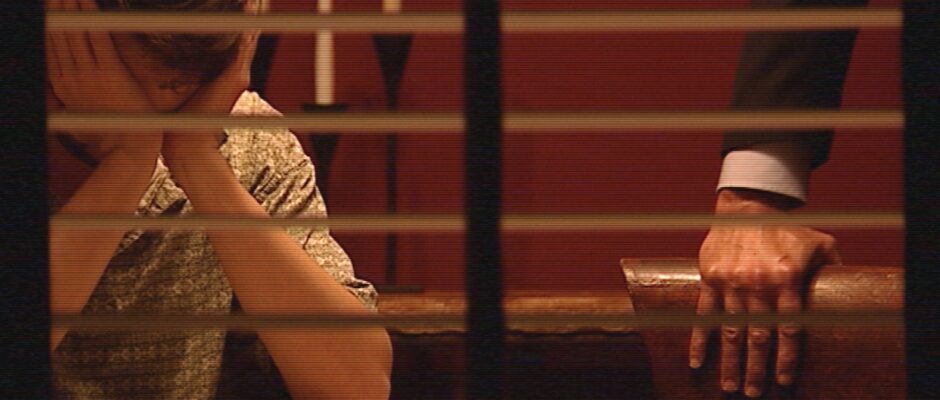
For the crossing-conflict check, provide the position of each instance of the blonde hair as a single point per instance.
(203, 56)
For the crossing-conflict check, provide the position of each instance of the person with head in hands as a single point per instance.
(149, 172)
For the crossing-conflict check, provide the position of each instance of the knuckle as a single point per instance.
(709, 270)
(759, 336)
(789, 331)
(788, 271)
(751, 276)
(784, 274)
(756, 277)
(710, 267)
(731, 334)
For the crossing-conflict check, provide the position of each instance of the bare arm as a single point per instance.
(86, 74)
(272, 274)
(78, 257)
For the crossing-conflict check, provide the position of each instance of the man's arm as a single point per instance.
(759, 269)
(792, 70)
(786, 70)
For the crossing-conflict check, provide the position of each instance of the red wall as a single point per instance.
(580, 172)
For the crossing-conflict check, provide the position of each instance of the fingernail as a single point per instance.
(752, 391)
(729, 385)
(695, 363)
(785, 379)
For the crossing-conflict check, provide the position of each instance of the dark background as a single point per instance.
(578, 172)
(627, 172)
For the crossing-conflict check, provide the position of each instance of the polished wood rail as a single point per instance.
(607, 357)
(551, 304)
(838, 362)
(563, 361)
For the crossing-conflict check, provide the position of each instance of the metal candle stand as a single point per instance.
(324, 145)
(393, 52)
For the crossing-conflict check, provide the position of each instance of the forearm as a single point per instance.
(271, 274)
(78, 257)
(792, 70)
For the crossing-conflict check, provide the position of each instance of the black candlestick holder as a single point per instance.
(324, 145)
(392, 50)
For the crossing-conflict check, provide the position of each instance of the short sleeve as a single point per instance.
(282, 180)
(291, 191)
(272, 166)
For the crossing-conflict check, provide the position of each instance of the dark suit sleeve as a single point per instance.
(792, 70)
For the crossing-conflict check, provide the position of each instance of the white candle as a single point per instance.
(391, 6)
(324, 67)
(324, 59)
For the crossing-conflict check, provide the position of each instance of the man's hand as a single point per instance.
(756, 269)
(86, 74)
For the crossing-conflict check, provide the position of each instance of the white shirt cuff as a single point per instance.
(779, 167)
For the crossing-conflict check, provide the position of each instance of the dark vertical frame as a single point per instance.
(482, 111)
(25, 371)
(921, 65)
(392, 51)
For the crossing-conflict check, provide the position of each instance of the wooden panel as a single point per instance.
(535, 366)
